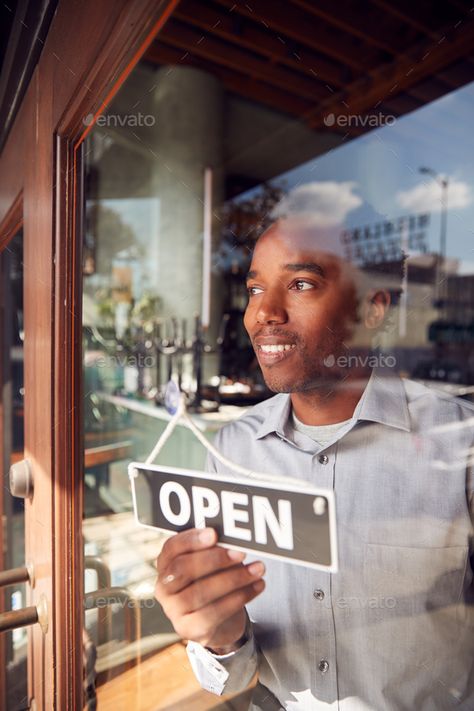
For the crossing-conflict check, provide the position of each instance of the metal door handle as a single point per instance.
(16, 575)
(104, 581)
(104, 578)
(27, 616)
(110, 596)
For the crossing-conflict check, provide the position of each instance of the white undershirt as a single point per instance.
(321, 434)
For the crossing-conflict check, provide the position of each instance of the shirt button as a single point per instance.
(323, 459)
(318, 594)
(323, 666)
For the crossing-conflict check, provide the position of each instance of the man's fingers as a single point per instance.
(214, 587)
(189, 567)
(185, 542)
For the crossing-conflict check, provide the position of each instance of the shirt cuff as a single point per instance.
(225, 673)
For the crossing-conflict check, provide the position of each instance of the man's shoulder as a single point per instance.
(250, 422)
(436, 399)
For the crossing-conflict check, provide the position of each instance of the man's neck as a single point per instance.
(333, 403)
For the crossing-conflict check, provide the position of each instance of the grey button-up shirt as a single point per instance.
(393, 629)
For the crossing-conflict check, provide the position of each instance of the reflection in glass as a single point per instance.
(12, 337)
(186, 154)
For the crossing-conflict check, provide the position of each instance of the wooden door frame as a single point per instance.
(90, 50)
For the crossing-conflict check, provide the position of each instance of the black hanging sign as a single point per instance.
(289, 522)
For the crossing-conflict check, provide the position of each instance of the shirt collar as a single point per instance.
(384, 400)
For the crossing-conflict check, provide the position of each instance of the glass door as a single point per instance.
(230, 119)
(26, 536)
(15, 579)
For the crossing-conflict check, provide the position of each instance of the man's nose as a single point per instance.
(271, 310)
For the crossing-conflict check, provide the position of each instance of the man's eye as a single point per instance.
(302, 285)
(252, 290)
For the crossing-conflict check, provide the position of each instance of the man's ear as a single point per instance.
(376, 305)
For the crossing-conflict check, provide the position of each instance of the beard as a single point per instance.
(313, 368)
(319, 363)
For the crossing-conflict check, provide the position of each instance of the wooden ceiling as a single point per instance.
(311, 58)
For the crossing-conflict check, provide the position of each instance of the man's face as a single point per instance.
(302, 310)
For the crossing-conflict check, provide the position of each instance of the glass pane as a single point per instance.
(11, 299)
(292, 145)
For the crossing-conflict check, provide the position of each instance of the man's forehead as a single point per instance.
(284, 250)
(295, 239)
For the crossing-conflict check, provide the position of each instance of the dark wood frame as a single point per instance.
(90, 50)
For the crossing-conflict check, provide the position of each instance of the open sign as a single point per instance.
(286, 522)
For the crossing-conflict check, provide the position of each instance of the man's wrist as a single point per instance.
(220, 651)
(229, 648)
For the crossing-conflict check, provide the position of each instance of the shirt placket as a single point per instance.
(324, 672)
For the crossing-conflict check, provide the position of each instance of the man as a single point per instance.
(393, 629)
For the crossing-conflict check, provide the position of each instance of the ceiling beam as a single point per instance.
(421, 62)
(399, 105)
(256, 38)
(301, 27)
(350, 20)
(429, 90)
(415, 15)
(256, 91)
(221, 53)
(457, 74)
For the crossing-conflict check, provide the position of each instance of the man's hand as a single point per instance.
(203, 588)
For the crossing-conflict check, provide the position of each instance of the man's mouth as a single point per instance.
(274, 352)
(276, 347)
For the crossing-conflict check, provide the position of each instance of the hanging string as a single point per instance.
(182, 414)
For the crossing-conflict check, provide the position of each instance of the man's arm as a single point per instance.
(203, 589)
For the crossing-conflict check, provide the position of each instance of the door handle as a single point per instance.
(17, 575)
(115, 595)
(21, 479)
(14, 619)
(104, 579)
